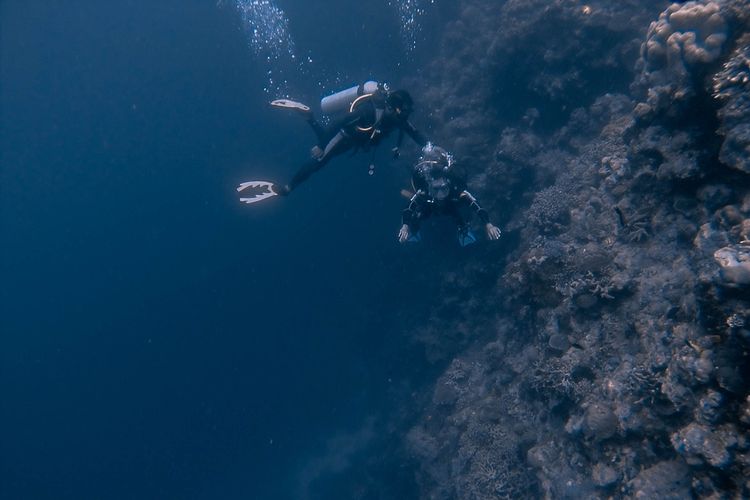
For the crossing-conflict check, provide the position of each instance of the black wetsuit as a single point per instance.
(362, 129)
(459, 204)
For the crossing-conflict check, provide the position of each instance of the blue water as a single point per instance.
(159, 339)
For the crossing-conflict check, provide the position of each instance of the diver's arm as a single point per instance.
(408, 218)
(396, 150)
(474, 205)
(493, 232)
(414, 212)
(412, 132)
(409, 215)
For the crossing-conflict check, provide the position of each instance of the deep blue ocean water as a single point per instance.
(159, 339)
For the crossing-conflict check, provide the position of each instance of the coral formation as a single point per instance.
(679, 45)
(731, 87)
(606, 354)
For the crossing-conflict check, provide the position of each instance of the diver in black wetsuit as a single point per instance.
(441, 190)
(370, 118)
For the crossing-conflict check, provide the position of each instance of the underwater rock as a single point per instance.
(714, 196)
(699, 443)
(735, 264)
(665, 153)
(731, 363)
(665, 481)
(559, 342)
(709, 407)
(690, 366)
(709, 238)
(604, 476)
(586, 301)
(728, 217)
(731, 87)
(518, 146)
(445, 394)
(745, 411)
(613, 169)
(556, 473)
(600, 422)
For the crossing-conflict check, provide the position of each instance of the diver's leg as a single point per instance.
(321, 133)
(310, 167)
(339, 144)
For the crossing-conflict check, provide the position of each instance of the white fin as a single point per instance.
(259, 191)
(286, 103)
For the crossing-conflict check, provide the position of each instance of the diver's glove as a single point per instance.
(404, 233)
(493, 232)
(396, 153)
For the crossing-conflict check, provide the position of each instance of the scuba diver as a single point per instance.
(363, 116)
(440, 189)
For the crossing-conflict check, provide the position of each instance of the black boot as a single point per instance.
(281, 190)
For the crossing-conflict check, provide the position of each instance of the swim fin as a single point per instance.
(293, 105)
(255, 191)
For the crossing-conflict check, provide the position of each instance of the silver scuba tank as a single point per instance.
(340, 102)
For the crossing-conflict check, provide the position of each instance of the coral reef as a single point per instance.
(604, 352)
(731, 87)
(679, 46)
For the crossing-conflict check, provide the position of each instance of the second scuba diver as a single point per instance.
(370, 113)
(441, 190)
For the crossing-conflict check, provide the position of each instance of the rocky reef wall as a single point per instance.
(604, 351)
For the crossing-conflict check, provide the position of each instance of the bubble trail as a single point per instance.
(267, 29)
(409, 12)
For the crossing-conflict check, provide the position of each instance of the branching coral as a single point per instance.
(489, 461)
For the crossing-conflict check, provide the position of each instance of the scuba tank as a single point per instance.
(340, 102)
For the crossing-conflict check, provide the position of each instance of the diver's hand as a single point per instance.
(404, 233)
(493, 232)
(396, 153)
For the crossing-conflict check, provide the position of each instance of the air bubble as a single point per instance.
(409, 12)
(267, 29)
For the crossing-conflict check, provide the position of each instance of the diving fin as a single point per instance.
(255, 191)
(466, 238)
(293, 105)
